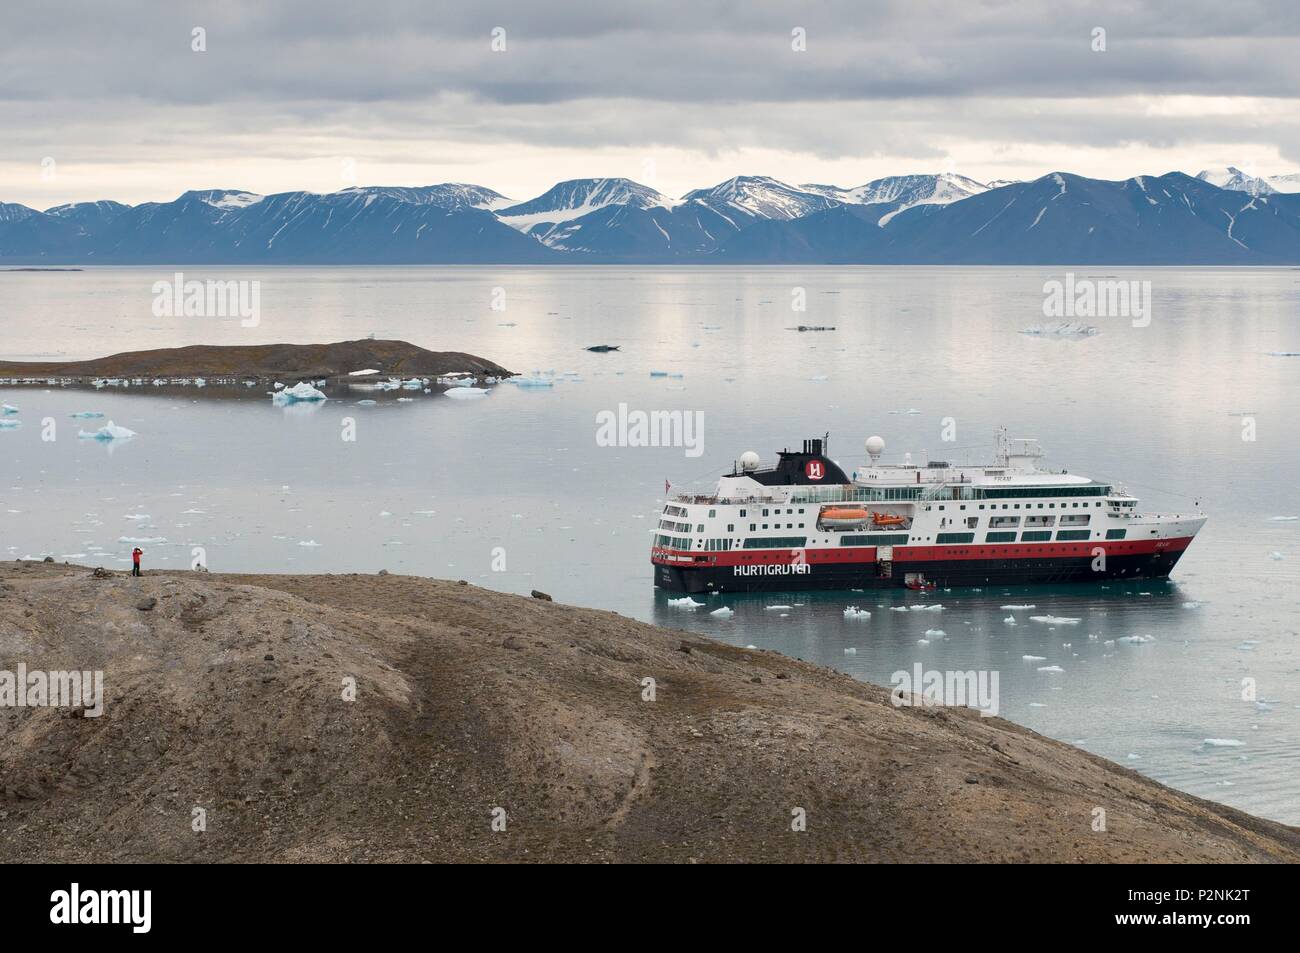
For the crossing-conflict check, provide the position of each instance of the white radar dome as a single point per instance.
(749, 460)
(875, 447)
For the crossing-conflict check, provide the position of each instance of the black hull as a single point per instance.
(944, 574)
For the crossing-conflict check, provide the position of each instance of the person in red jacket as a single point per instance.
(135, 560)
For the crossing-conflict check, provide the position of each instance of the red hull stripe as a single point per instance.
(920, 554)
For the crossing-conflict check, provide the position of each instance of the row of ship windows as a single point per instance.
(865, 494)
(776, 511)
(1030, 506)
(884, 539)
(972, 522)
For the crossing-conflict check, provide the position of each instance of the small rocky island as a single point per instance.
(262, 363)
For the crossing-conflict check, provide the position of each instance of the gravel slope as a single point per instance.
(226, 695)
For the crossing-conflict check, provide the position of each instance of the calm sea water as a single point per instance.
(451, 488)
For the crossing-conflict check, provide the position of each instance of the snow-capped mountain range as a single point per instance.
(1238, 181)
(1221, 216)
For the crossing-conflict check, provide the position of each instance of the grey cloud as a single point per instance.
(672, 51)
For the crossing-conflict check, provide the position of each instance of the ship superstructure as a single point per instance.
(803, 523)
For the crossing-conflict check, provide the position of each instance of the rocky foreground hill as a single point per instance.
(225, 704)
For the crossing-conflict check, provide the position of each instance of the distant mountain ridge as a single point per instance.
(1218, 217)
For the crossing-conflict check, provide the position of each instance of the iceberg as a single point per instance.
(110, 431)
(10, 424)
(1050, 668)
(8, 409)
(301, 391)
(853, 612)
(723, 613)
(464, 393)
(86, 414)
(935, 634)
(1062, 329)
(1054, 620)
(685, 602)
(1016, 608)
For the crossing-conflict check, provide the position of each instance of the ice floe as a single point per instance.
(110, 431)
(466, 393)
(1018, 608)
(1054, 620)
(86, 414)
(723, 613)
(853, 612)
(1062, 329)
(301, 391)
(536, 379)
(685, 602)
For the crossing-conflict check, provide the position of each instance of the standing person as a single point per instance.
(135, 560)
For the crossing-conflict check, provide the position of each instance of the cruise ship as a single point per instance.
(802, 523)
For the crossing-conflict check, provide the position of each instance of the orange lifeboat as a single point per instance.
(843, 516)
(886, 519)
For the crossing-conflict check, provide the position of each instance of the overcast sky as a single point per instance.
(109, 100)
